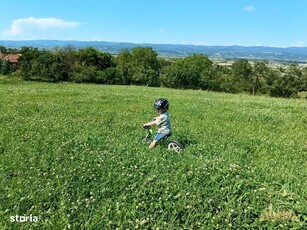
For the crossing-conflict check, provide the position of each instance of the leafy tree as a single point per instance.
(40, 65)
(242, 74)
(105, 61)
(3, 50)
(164, 62)
(288, 84)
(225, 81)
(192, 72)
(210, 79)
(107, 76)
(269, 80)
(27, 61)
(123, 67)
(304, 80)
(5, 67)
(84, 74)
(259, 75)
(88, 57)
(46, 67)
(140, 66)
(145, 66)
(173, 74)
(92, 63)
(12, 50)
(67, 57)
(201, 71)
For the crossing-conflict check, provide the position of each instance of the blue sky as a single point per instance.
(280, 23)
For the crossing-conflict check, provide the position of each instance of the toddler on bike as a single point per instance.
(162, 121)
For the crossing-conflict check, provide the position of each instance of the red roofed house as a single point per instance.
(12, 58)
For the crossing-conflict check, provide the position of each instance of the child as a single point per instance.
(162, 121)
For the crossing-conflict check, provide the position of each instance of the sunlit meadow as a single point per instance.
(71, 155)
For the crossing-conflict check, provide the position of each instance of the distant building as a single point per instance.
(11, 58)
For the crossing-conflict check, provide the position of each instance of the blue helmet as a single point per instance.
(161, 103)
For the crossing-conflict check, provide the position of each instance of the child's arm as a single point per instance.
(151, 123)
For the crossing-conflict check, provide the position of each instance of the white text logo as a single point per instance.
(18, 218)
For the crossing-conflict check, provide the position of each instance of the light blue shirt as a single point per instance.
(164, 124)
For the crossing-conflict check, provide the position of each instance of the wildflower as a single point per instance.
(178, 195)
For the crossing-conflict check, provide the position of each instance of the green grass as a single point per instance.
(71, 155)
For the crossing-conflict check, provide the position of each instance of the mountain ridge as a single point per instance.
(288, 54)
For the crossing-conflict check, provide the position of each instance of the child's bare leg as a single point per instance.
(152, 144)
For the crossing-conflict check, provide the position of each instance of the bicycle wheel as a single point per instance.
(174, 146)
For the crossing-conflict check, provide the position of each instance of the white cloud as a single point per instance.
(249, 8)
(298, 44)
(25, 26)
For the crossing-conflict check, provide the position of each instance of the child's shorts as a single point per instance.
(160, 136)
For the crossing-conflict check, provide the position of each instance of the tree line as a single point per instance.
(142, 66)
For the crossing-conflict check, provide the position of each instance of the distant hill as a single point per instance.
(297, 54)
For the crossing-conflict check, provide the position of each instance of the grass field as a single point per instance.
(71, 155)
